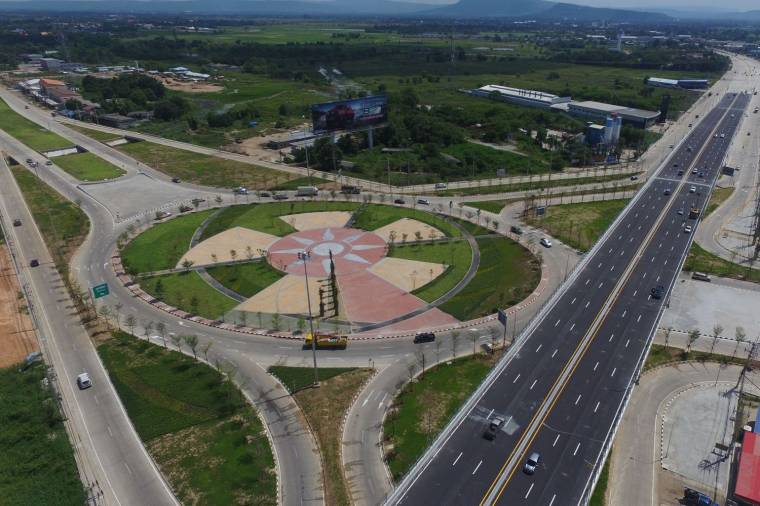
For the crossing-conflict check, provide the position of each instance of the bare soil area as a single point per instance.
(17, 337)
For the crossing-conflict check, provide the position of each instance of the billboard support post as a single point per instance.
(371, 137)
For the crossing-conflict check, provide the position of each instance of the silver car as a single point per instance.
(532, 463)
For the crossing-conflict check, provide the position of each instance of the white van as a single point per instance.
(701, 276)
(84, 381)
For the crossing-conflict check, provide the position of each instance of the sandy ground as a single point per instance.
(285, 296)
(190, 86)
(408, 226)
(256, 147)
(407, 274)
(316, 220)
(17, 337)
(236, 238)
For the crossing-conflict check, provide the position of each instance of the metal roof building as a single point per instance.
(529, 98)
(748, 477)
(598, 111)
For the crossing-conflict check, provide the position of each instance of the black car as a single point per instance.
(424, 337)
(658, 292)
(17, 222)
(34, 263)
(280, 196)
(265, 194)
(515, 230)
(175, 180)
(493, 428)
(399, 201)
(667, 191)
(680, 172)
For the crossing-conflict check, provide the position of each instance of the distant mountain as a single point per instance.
(472, 9)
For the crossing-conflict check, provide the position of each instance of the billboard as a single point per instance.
(349, 114)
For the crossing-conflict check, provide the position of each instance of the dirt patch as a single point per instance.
(17, 337)
(190, 86)
(405, 230)
(324, 408)
(256, 147)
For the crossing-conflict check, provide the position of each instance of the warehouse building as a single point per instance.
(598, 111)
(528, 98)
(687, 84)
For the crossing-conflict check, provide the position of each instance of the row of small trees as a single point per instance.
(740, 336)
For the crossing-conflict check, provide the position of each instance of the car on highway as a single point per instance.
(701, 174)
(424, 337)
(423, 202)
(546, 242)
(687, 229)
(17, 222)
(84, 381)
(280, 196)
(160, 215)
(48, 163)
(29, 161)
(399, 201)
(667, 191)
(722, 136)
(240, 190)
(693, 171)
(440, 186)
(34, 263)
(634, 177)
(516, 230)
(658, 292)
(680, 172)
(692, 497)
(680, 212)
(493, 428)
(176, 180)
(265, 194)
(185, 208)
(532, 463)
(693, 189)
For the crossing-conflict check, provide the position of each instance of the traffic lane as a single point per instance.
(526, 404)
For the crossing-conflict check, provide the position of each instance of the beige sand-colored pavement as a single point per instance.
(316, 220)
(285, 296)
(239, 239)
(407, 274)
(409, 227)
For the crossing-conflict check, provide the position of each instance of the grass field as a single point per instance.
(492, 206)
(188, 291)
(206, 439)
(28, 132)
(457, 255)
(161, 246)
(95, 134)
(204, 169)
(62, 224)
(538, 184)
(246, 279)
(661, 355)
(88, 167)
(701, 260)
(599, 497)
(719, 195)
(298, 378)
(507, 274)
(374, 216)
(37, 462)
(324, 408)
(422, 408)
(579, 225)
(266, 217)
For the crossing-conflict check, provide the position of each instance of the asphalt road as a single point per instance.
(565, 383)
(112, 461)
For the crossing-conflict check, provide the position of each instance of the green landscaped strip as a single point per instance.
(425, 406)
(266, 217)
(293, 184)
(98, 135)
(719, 195)
(538, 184)
(246, 279)
(374, 216)
(579, 225)
(204, 169)
(298, 378)
(187, 291)
(88, 167)
(161, 246)
(507, 274)
(37, 461)
(31, 134)
(701, 260)
(599, 497)
(492, 206)
(205, 438)
(457, 255)
(63, 225)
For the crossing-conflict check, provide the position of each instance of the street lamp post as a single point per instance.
(305, 256)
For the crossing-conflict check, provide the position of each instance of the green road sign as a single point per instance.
(100, 290)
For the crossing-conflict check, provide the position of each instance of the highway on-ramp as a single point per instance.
(563, 387)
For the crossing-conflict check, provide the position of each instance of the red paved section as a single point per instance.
(367, 298)
(353, 250)
(430, 319)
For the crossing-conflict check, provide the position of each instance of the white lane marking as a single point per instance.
(658, 278)
(638, 319)
(588, 281)
(555, 441)
(578, 399)
(572, 326)
(555, 352)
(552, 501)
(539, 347)
(601, 284)
(365, 401)
(611, 336)
(557, 323)
(529, 490)
(635, 292)
(457, 459)
(600, 264)
(128, 468)
(596, 407)
(612, 268)
(108, 427)
(588, 302)
(645, 275)
(613, 372)
(596, 365)
(625, 312)
(573, 301)
(665, 263)
(627, 343)
(477, 467)
(516, 378)
(534, 384)
(489, 414)
(576, 449)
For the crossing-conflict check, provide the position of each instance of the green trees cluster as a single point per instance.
(134, 92)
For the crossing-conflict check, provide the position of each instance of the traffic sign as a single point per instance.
(99, 291)
(503, 317)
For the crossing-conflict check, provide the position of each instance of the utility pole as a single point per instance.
(304, 257)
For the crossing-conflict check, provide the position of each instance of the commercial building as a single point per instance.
(747, 489)
(528, 98)
(598, 111)
(687, 84)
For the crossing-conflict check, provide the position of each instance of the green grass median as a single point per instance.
(28, 132)
(189, 292)
(374, 216)
(37, 461)
(88, 167)
(457, 255)
(206, 439)
(246, 279)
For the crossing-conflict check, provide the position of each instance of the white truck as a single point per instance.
(307, 191)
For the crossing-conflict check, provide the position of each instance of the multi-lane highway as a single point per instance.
(562, 388)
